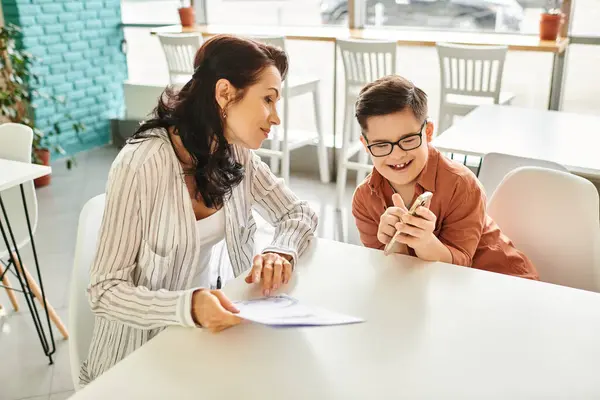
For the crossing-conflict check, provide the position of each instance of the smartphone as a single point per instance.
(421, 201)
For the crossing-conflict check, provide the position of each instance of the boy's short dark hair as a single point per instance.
(388, 95)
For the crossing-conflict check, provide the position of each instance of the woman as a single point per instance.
(184, 184)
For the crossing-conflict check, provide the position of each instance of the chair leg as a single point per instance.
(9, 292)
(35, 289)
(322, 148)
(342, 168)
(285, 166)
(363, 158)
(274, 163)
(341, 183)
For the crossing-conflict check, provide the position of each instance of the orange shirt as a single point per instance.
(462, 223)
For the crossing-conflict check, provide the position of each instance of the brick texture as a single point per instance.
(76, 40)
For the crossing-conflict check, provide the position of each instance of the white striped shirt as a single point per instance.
(148, 249)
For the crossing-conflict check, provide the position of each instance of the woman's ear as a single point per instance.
(224, 92)
(429, 131)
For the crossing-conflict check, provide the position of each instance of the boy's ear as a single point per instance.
(429, 131)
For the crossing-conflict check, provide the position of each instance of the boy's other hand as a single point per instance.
(389, 219)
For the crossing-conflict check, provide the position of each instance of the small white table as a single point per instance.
(433, 331)
(572, 140)
(13, 174)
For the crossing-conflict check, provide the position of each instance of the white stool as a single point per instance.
(294, 139)
(495, 166)
(364, 61)
(470, 76)
(180, 50)
(565, 251)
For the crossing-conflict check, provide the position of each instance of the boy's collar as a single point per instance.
(426, 179)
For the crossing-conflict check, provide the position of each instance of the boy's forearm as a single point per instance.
(435, 251)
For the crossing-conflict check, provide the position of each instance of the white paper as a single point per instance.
(286, 311)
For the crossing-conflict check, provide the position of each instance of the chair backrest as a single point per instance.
(180, 50)
(471, 70)
(366, 60)
(495, 166)
(553, 217)
(81, 318)
(15, 144)
(140, 99)
(276, 41)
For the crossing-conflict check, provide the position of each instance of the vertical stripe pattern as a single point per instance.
(140, 280)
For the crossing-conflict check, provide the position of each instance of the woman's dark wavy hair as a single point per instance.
(196, 117)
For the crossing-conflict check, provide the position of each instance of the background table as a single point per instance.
(572, 140)
(433, 331)
(12, 174)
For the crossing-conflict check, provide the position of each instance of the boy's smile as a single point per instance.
(401, 167)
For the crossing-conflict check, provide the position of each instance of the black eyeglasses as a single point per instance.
(407, 143)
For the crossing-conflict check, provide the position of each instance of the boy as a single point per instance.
(455, 228)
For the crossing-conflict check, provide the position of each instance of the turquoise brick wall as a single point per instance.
(79, 46)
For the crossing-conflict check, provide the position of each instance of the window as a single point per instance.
(585, 18)
(511, 16)
(265, 12)
(580, 93)
(160, 12)
(145, 59)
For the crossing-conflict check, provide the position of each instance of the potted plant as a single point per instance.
(187, 14)
(551, 20)
(17, 89)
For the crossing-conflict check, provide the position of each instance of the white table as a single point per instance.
(572, 140)
(13, 174)
(433, 331)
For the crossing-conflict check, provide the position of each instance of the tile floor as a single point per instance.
(24, 370)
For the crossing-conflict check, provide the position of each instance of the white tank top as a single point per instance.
(214, 260)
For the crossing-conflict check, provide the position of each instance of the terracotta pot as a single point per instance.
(44, 156)
(550, 26)
(187, 15)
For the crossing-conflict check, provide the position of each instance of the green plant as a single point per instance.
(18, 89)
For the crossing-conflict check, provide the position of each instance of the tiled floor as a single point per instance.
(24, 370)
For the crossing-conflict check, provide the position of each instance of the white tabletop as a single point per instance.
(433, 331)
(572, 140)
(13, 173)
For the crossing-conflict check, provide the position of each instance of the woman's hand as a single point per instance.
(213, 310)
(273, 269)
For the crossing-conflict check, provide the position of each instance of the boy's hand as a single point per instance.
(389, 219)
(417, 231)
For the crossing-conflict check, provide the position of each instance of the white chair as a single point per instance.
(180, 50)
(140, 99)
(552, 217)
(280, 150)
(15, 144)
(364, 61)
(470, 76)
(80, 313)
(495, 166)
